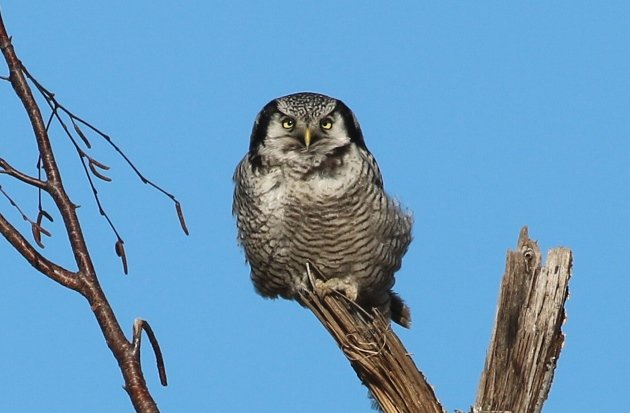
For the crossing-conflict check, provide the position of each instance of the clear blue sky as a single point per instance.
(484, 117)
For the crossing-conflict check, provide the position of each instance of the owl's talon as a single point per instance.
(348, 288)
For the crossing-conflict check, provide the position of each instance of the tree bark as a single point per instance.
(527, 337)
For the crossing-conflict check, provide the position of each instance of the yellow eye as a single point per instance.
(288, 123)
(326, 123)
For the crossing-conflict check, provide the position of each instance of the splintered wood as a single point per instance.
(527, 337)
(375, 353)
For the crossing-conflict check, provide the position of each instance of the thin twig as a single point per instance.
(139, 325)
(55, 105)
(11, 171)
(92, 167)
(53, 271)
(36, 227)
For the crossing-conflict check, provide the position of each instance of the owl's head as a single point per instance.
(304, 126)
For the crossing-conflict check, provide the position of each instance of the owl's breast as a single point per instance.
(327, 178)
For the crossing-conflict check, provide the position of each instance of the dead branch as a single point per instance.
(84, 280)
(527, 337)
(375, 353)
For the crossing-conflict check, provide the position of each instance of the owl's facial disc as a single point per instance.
(304, 124)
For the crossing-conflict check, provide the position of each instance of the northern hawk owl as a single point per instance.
(309, 191)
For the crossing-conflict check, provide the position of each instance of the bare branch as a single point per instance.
(11, 171)
(36, 227)
(84, 280)
(55, 106)
(527, 337)
(50, 269)
(93, 165)
(375, 353)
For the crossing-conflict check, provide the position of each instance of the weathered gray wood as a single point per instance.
(375, 353)
(527, 337)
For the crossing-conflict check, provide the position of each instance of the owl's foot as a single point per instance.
(342, 285)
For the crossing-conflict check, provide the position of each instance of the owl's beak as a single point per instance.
(307, 137)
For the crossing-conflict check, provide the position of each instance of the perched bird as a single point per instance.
(310, 191)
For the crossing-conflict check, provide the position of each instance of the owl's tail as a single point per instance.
(400, 313)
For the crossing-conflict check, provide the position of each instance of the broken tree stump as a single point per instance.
(527, 337)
